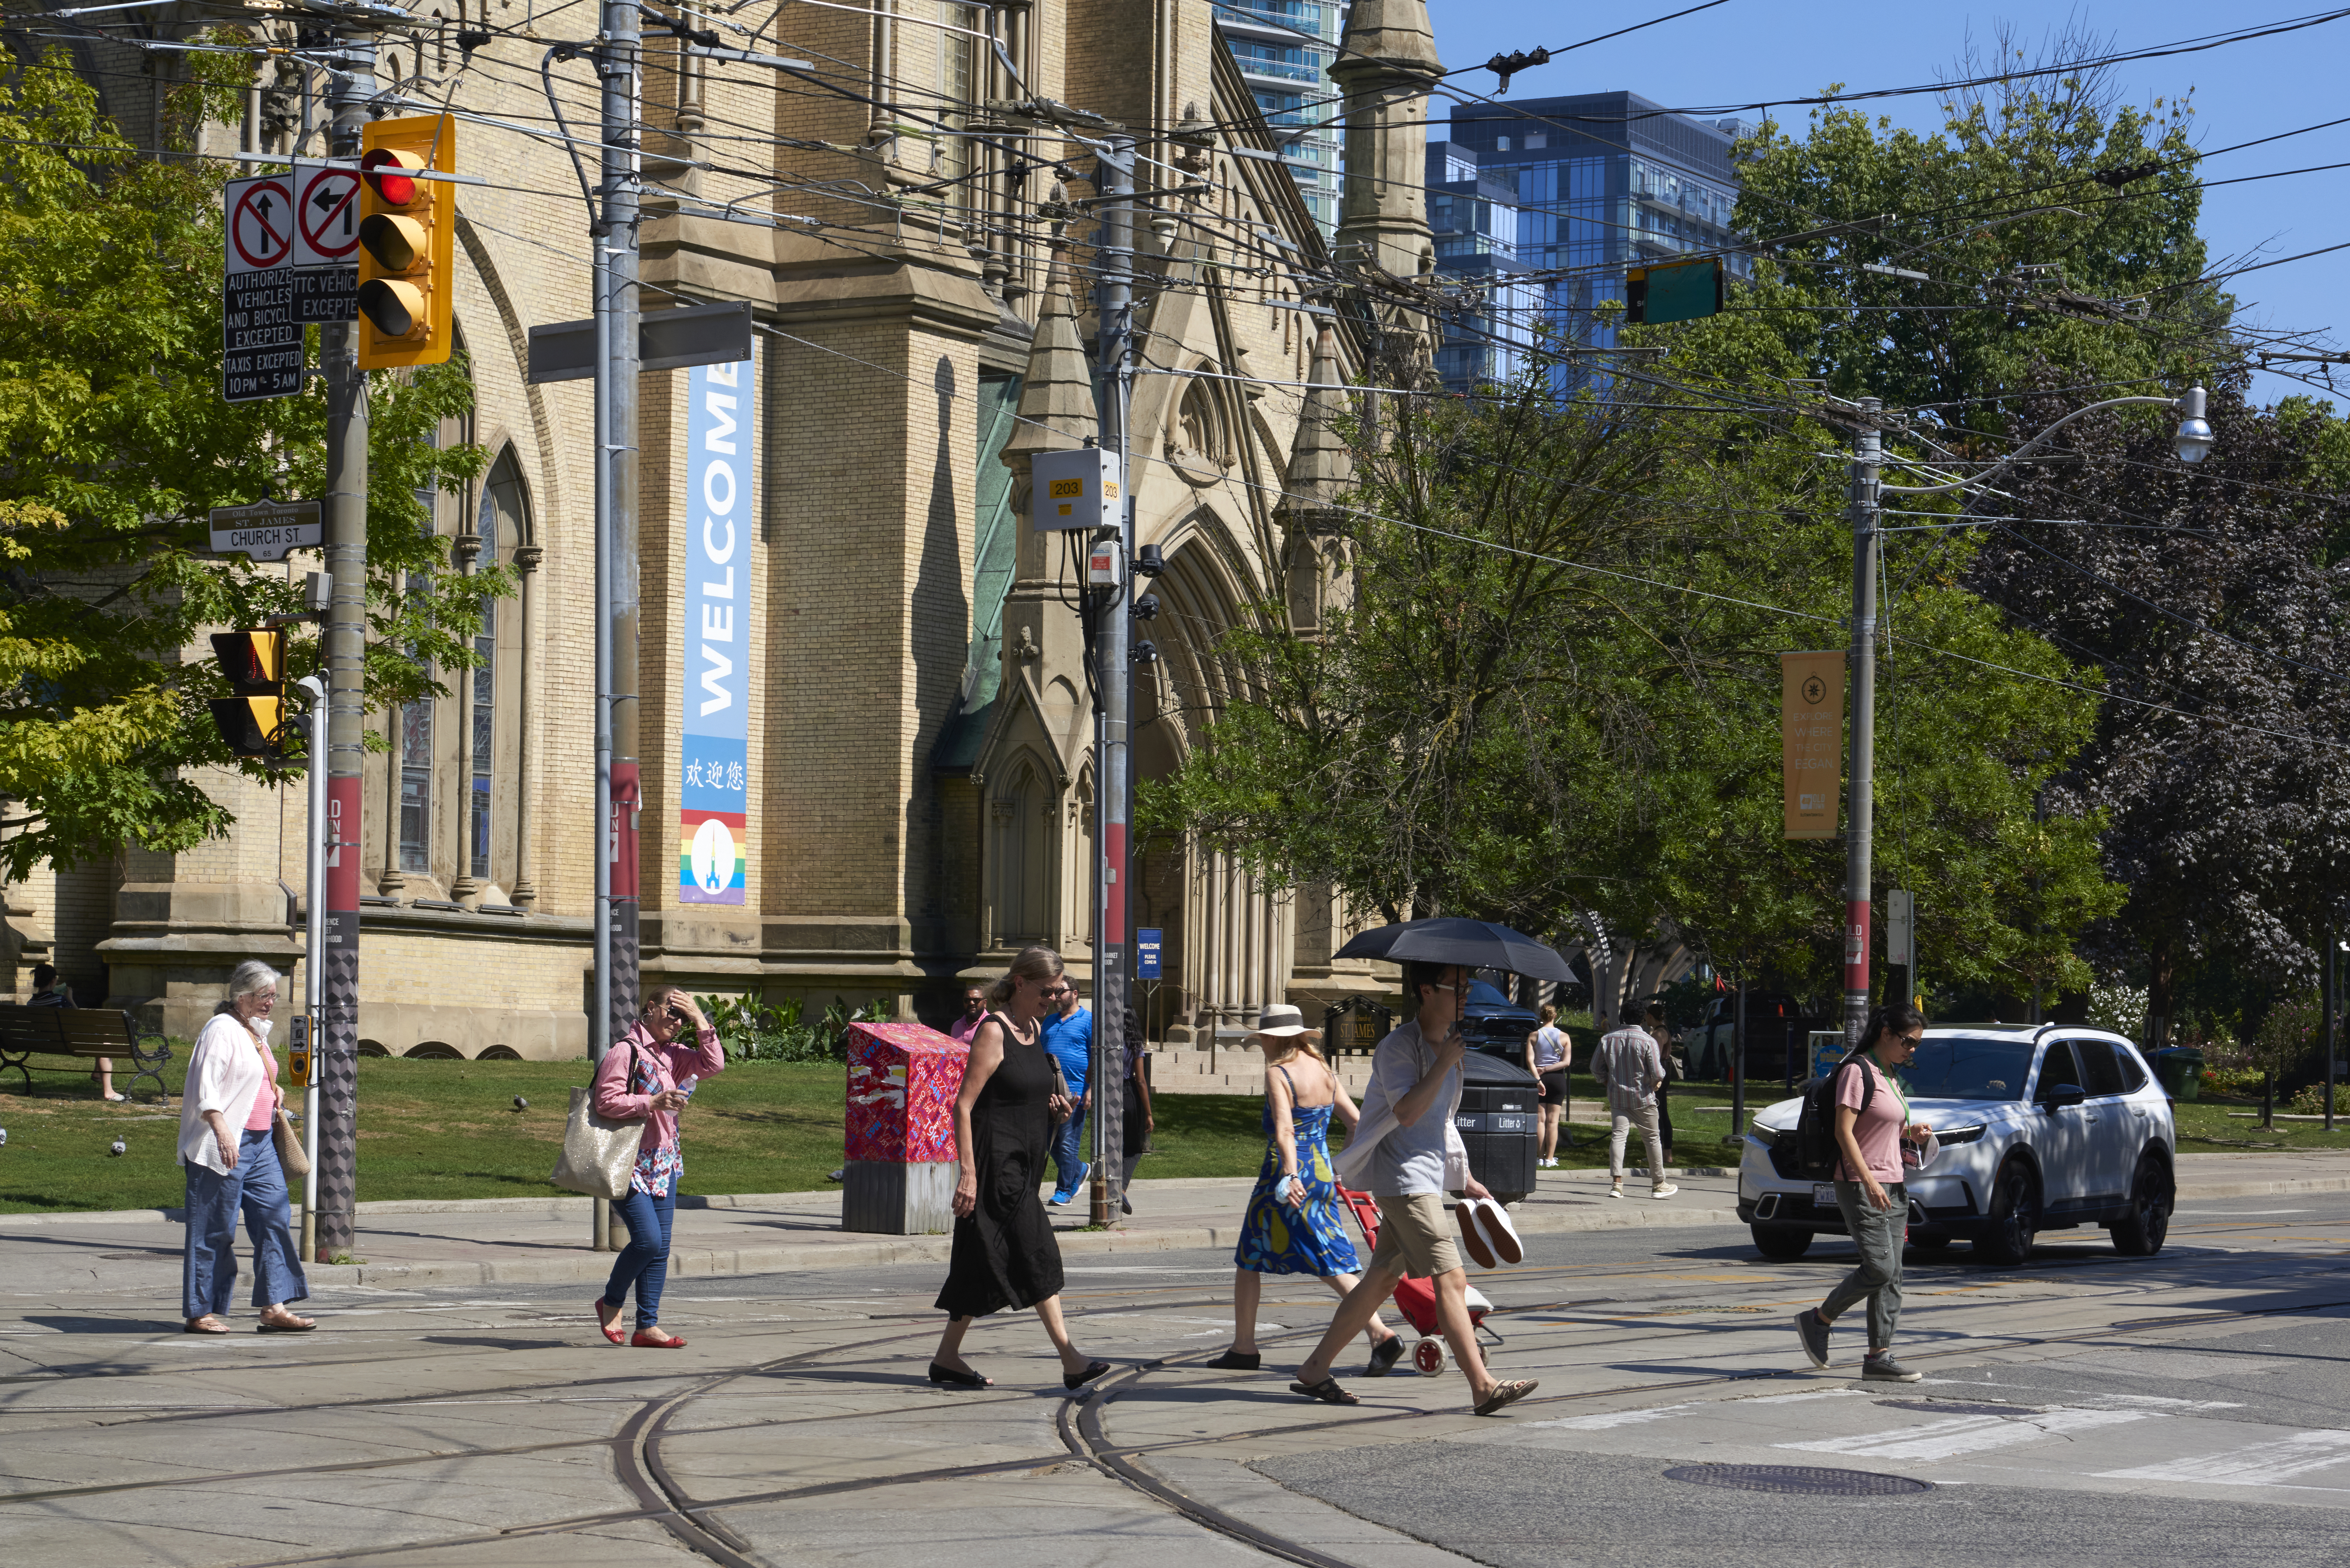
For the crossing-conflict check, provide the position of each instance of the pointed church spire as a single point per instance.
(1320, 466)
(1057, 399)
(1387, 63)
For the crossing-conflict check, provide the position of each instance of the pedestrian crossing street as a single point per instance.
(1956, 1433)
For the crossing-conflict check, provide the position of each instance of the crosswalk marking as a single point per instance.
(2261, 1464)
(1967, 1435)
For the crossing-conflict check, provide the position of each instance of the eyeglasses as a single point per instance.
(1059, 990)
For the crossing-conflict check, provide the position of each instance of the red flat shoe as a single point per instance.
(645, 1341)
(612, 1329)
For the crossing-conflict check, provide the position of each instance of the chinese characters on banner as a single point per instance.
(1810, 734)
(713, 757)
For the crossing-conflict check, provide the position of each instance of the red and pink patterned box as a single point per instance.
(902, 1082)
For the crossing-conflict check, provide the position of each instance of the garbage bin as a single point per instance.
(1497, 1123)
(899, 1130)
(2180, 1069)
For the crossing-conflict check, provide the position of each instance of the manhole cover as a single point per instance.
(1957, 1408)
(1798, 1478)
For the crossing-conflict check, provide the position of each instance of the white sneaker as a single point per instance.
(1667, 1190)
(1617, 1190)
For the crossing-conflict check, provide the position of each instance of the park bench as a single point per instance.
(79, 1033)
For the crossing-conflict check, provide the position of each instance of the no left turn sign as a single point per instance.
(327, 215)
(261, 225)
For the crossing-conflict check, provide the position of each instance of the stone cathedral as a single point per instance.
(916, 244)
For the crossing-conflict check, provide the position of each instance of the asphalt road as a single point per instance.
(2085, 1408)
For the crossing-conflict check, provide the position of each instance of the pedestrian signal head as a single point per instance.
(251, 720)
(407, 242)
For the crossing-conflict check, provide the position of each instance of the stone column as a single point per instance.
(526, 559)
(465, 549)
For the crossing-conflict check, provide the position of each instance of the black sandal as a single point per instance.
(1079, 1379)
(1236, 1361)
(949, 1376)
(1384, 1356)
(1327, 1391)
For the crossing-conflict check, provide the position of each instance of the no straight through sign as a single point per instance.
(261, 334)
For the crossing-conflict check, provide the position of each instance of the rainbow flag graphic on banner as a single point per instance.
(712, 826)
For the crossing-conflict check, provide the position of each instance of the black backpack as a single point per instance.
(1816, 1142)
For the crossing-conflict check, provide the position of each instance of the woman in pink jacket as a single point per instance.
(647, 1077)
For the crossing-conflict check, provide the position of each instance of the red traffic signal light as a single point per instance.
(382, 169)
(253, 720)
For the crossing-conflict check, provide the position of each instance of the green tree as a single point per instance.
(2055, 225)
(1521, 717)
(118, 444)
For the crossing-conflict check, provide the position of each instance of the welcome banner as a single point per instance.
(713, 757)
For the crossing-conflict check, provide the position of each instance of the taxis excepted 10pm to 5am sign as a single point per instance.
(1811, 735)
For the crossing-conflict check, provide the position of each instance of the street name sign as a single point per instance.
(261, 334)
(266, 529)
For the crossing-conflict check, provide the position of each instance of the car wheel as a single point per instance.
(2015, 1215)
(2140, 1232)
(1782, 1244)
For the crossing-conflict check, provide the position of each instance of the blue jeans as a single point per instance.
(1069, 1153)
(208, 1267)
(644, 1262)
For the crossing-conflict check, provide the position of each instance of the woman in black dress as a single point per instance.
(1004, 1255)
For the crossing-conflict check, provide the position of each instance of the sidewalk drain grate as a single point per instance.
(1801, 1478)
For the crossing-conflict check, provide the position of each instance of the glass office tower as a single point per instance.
(1283, 48)
(1604, 181)
(1477, 226)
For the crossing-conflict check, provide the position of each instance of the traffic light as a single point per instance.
(252, 721)
(408, 232)
(1685, 291)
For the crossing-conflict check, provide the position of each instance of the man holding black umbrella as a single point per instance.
(1406, 1152)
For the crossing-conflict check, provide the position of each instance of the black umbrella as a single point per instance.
(1472, 944)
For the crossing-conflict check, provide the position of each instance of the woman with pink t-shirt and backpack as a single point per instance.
(1872, 1126)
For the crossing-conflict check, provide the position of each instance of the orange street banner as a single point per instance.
(1811, 735)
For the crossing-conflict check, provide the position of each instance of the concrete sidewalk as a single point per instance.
(544, 1241)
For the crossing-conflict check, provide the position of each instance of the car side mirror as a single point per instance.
(2062, 1095)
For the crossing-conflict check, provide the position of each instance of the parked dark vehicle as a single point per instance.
(1495, 1025)
(1776, 1032)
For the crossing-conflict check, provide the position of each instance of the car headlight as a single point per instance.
(1969, 1133)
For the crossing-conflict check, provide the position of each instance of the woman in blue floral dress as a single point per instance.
(1291, 1226)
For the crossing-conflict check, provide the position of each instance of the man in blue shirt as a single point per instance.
(1068, 1038)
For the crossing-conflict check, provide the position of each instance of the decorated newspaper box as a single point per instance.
(899, 1129)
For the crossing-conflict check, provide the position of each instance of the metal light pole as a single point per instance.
(314, 947)
(333, 1190)
(1113, 780)
(2190, 442)
(616, 792)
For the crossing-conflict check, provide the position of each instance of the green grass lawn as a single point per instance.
(2207, 1125)
(450, 1129)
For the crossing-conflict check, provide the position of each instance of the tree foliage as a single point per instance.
(118, 444)
(1557, 689)
(2217, 602)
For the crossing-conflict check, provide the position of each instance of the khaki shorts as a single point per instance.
(1416, 1232)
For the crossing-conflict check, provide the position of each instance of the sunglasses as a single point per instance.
(1058, 990)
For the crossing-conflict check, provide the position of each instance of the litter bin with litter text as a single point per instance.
(1497, 1121)
(900, 1176)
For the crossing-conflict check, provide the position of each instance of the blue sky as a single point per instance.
(1751, 50)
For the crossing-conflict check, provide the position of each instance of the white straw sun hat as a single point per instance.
(1280, 1021)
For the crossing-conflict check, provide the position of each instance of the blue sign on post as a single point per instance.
(1146, 952)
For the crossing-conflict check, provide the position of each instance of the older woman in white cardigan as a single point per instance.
(226, 1108)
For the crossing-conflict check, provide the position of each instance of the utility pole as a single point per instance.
(2330, 999)
(617, 793)
(316, 853)
(1114, 674)
(1860, 820)
(335, 1052)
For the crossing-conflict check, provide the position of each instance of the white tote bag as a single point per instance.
(599, 1155)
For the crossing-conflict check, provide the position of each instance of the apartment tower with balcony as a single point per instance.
(1283, 48)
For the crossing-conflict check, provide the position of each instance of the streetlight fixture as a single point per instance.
(2191, 442)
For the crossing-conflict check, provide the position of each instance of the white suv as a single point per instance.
(2042, 1129)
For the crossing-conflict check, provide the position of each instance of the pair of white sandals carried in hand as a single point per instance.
(1487, 1233)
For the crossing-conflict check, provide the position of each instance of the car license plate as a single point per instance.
(1823, 1195)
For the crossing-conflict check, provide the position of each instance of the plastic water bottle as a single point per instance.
(687, 1086)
